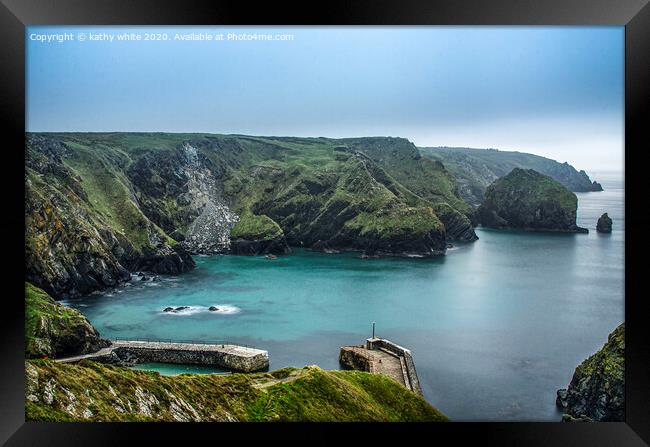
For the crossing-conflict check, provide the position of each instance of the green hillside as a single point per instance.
(94, 392)
(99, 205)
(525, 199)
(475, 169)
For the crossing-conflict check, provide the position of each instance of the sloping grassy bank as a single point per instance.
(91, 391)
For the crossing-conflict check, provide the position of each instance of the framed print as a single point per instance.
(365, 213)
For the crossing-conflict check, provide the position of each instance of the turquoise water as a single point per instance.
(495, 326)
(169, 369)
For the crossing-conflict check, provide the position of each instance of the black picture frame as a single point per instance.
(633, 14)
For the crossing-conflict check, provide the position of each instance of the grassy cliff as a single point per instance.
(476, 169)
(54, 330)
(101, 204)
(597, 389)
(525, 199)
(94, 392)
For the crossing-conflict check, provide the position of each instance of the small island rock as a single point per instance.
(527, 200)
(604, 224)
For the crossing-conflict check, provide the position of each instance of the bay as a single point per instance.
(495, 326)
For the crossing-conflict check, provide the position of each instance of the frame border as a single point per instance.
(15, 15)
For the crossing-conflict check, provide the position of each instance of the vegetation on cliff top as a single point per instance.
(54, 330)
(475, 169)
(254, 227)
(100, 204)
(91, 391)
(597, 388)
(529, 200)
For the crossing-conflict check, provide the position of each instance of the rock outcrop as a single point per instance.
(84, 229)
(476, 169)
(528, 200)
(54, 330)
(257, 235)
(604, 224)
(597, 388)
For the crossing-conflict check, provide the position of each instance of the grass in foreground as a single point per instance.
(91, 391)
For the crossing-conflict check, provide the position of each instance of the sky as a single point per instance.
(552, 91)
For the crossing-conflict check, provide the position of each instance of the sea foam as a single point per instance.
(224, 309)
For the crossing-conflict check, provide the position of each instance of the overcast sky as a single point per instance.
(552, 91)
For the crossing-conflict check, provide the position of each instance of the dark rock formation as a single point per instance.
(597, 388)
(595, 186)
(258, 246)
(476, 169)
(528, 200)
(54, 330)
(604, 224)
(79, 238)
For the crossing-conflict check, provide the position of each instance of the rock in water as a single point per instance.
(597, 389)
(213, 309)
(527, 200)
(168, 309)
(604, 224)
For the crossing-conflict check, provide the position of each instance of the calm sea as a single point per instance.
(495, 326)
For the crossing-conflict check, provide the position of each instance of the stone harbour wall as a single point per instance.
(231, 357)
(230, 361)
(376, 343)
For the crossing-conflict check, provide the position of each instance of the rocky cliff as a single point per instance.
(476, 169)
(54, 330)
(597, 389)
(84, 229)
(92, 392)
(528, 200)
(99, 205)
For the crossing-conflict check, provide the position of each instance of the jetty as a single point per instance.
(227, 356)
(381, 356)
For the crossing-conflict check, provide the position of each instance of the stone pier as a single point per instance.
(228, 356)
(381, 356)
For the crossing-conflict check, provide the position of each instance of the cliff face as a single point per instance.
(92, 392)
(99, 205)
(597, 388)
(526, 199)
(54, 330)
(476, 169)
(84, 229)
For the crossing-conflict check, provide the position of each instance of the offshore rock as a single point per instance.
(528, 200)
(604, 224)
